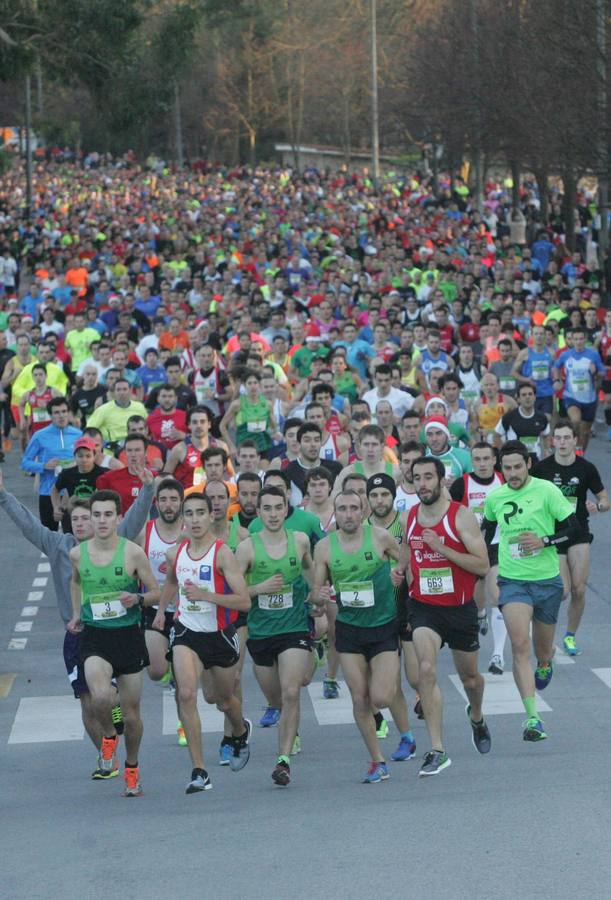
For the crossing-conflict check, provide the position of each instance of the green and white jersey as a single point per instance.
(536, 507)
(365, 593)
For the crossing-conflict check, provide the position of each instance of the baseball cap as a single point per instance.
(84, 443)
(382, 480)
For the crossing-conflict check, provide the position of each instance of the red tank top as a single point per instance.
(605, 353)
(435, 579)
(185, 470)
(40, 418)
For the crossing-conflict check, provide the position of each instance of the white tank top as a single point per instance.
(405, 501)
(200, 615)
(476, 494)
(329, 449)
(156, 548)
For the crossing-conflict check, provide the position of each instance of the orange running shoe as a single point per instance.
(108, 754)
(132, 785)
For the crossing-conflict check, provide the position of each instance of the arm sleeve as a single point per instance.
(29, 525)
(488, 529)
(566, 530)
(138, 513)
(457, 490)
(29, 463)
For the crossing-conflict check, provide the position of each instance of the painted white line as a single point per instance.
(43, 555)
(23, 626)
(29, 611)
(40, 582)
(35, 596)
(501, 696)
(212, 720)
(42, 719)
(561, 658)
(17, 643)
(604, 675)
(331, 712)
(44, 567)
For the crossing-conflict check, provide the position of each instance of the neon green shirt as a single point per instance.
(536, 507)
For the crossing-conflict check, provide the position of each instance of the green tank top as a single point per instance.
(252, 422)
(100, 589)
(358, 467)
(232, 538)
(365, 595)
(345, 387)
(285, 611)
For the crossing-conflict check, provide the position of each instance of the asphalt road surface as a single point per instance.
(526, 820)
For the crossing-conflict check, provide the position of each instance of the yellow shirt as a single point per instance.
(56, 378)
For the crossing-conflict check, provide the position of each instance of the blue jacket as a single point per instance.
(49, 443)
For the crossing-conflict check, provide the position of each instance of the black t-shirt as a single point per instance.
(77, 484)
(185, 398)
(5, 355)
(298, 474)
(82, 402)
(527, 429)
(574, 481)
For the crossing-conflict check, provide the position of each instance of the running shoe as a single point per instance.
(182, 736)
(133, 787)
(483, 623)
(296, 748)
(543, 675)
(496, 665)
(330, 689)
(270, 717)
(377, 771)
(225, 752)
(382, 730)
(434, 762)
(100, 774)
(480, 734)
(405, 750)
(533, 729)
(117, 719)
(200, 781)
(569, 646)
(418, 711)
(241, 750)
(108, 754)
(282, 773)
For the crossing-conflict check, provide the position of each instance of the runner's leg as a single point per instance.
(292, 669)
(518, 618)
(473, 682)
(579, 568)
(98, 675)
(130, 693)
(427, 645)
(356, 672)
(187, 669)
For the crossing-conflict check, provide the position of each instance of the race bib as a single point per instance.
(530, 441)
(40, 415)
(540, 371)
(478, 512)
(63, 464)
(517, 551)
(282, 599)
(196, 607)
(507, 384)
(436, 581)
(106, 606)
(356, 594)
(469, 396)
(256, 427)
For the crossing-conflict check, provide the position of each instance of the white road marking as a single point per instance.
(604, 675)
(501, 696)
(40, 582)
(29, 611)
(212, 720)
(17, 643)
(35, 596)
(23, 626)
(561, 658)
(41, 719)
(44, 567)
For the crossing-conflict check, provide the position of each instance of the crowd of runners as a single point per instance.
(303, 420)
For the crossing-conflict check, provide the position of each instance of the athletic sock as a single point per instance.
(569, 634)
(196, 772)
(284, 759)
(129, 765)
(379, 719)
(499, 633)
(408, 735)
(530, 705)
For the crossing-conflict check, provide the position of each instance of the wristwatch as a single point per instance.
(140, 598)
(546, 540)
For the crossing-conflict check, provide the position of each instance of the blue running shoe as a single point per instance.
(225, 751)
(330, 689)
(543, 675)
(377, 771)
(405, 750)
(270, 717)
(533, 730)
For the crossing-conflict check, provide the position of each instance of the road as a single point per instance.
(525, 820)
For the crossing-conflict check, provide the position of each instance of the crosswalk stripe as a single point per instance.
(334, 712)
(501, 696)
(604, 675)
(41, 719)
(212, 720)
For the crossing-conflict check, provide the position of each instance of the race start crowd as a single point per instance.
(331, 424)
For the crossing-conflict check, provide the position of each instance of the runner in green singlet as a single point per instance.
(275, 563)
(106, 572)
(252, 415)
(381, 492)
(533, 517)
(356, 559)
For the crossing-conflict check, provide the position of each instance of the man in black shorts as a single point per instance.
(575, 476)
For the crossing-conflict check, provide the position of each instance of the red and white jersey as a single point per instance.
(156, 548)
(39, 417)
(605, 353)
(329, 449)
(206, 385)
(201, 615)
(435, 579)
